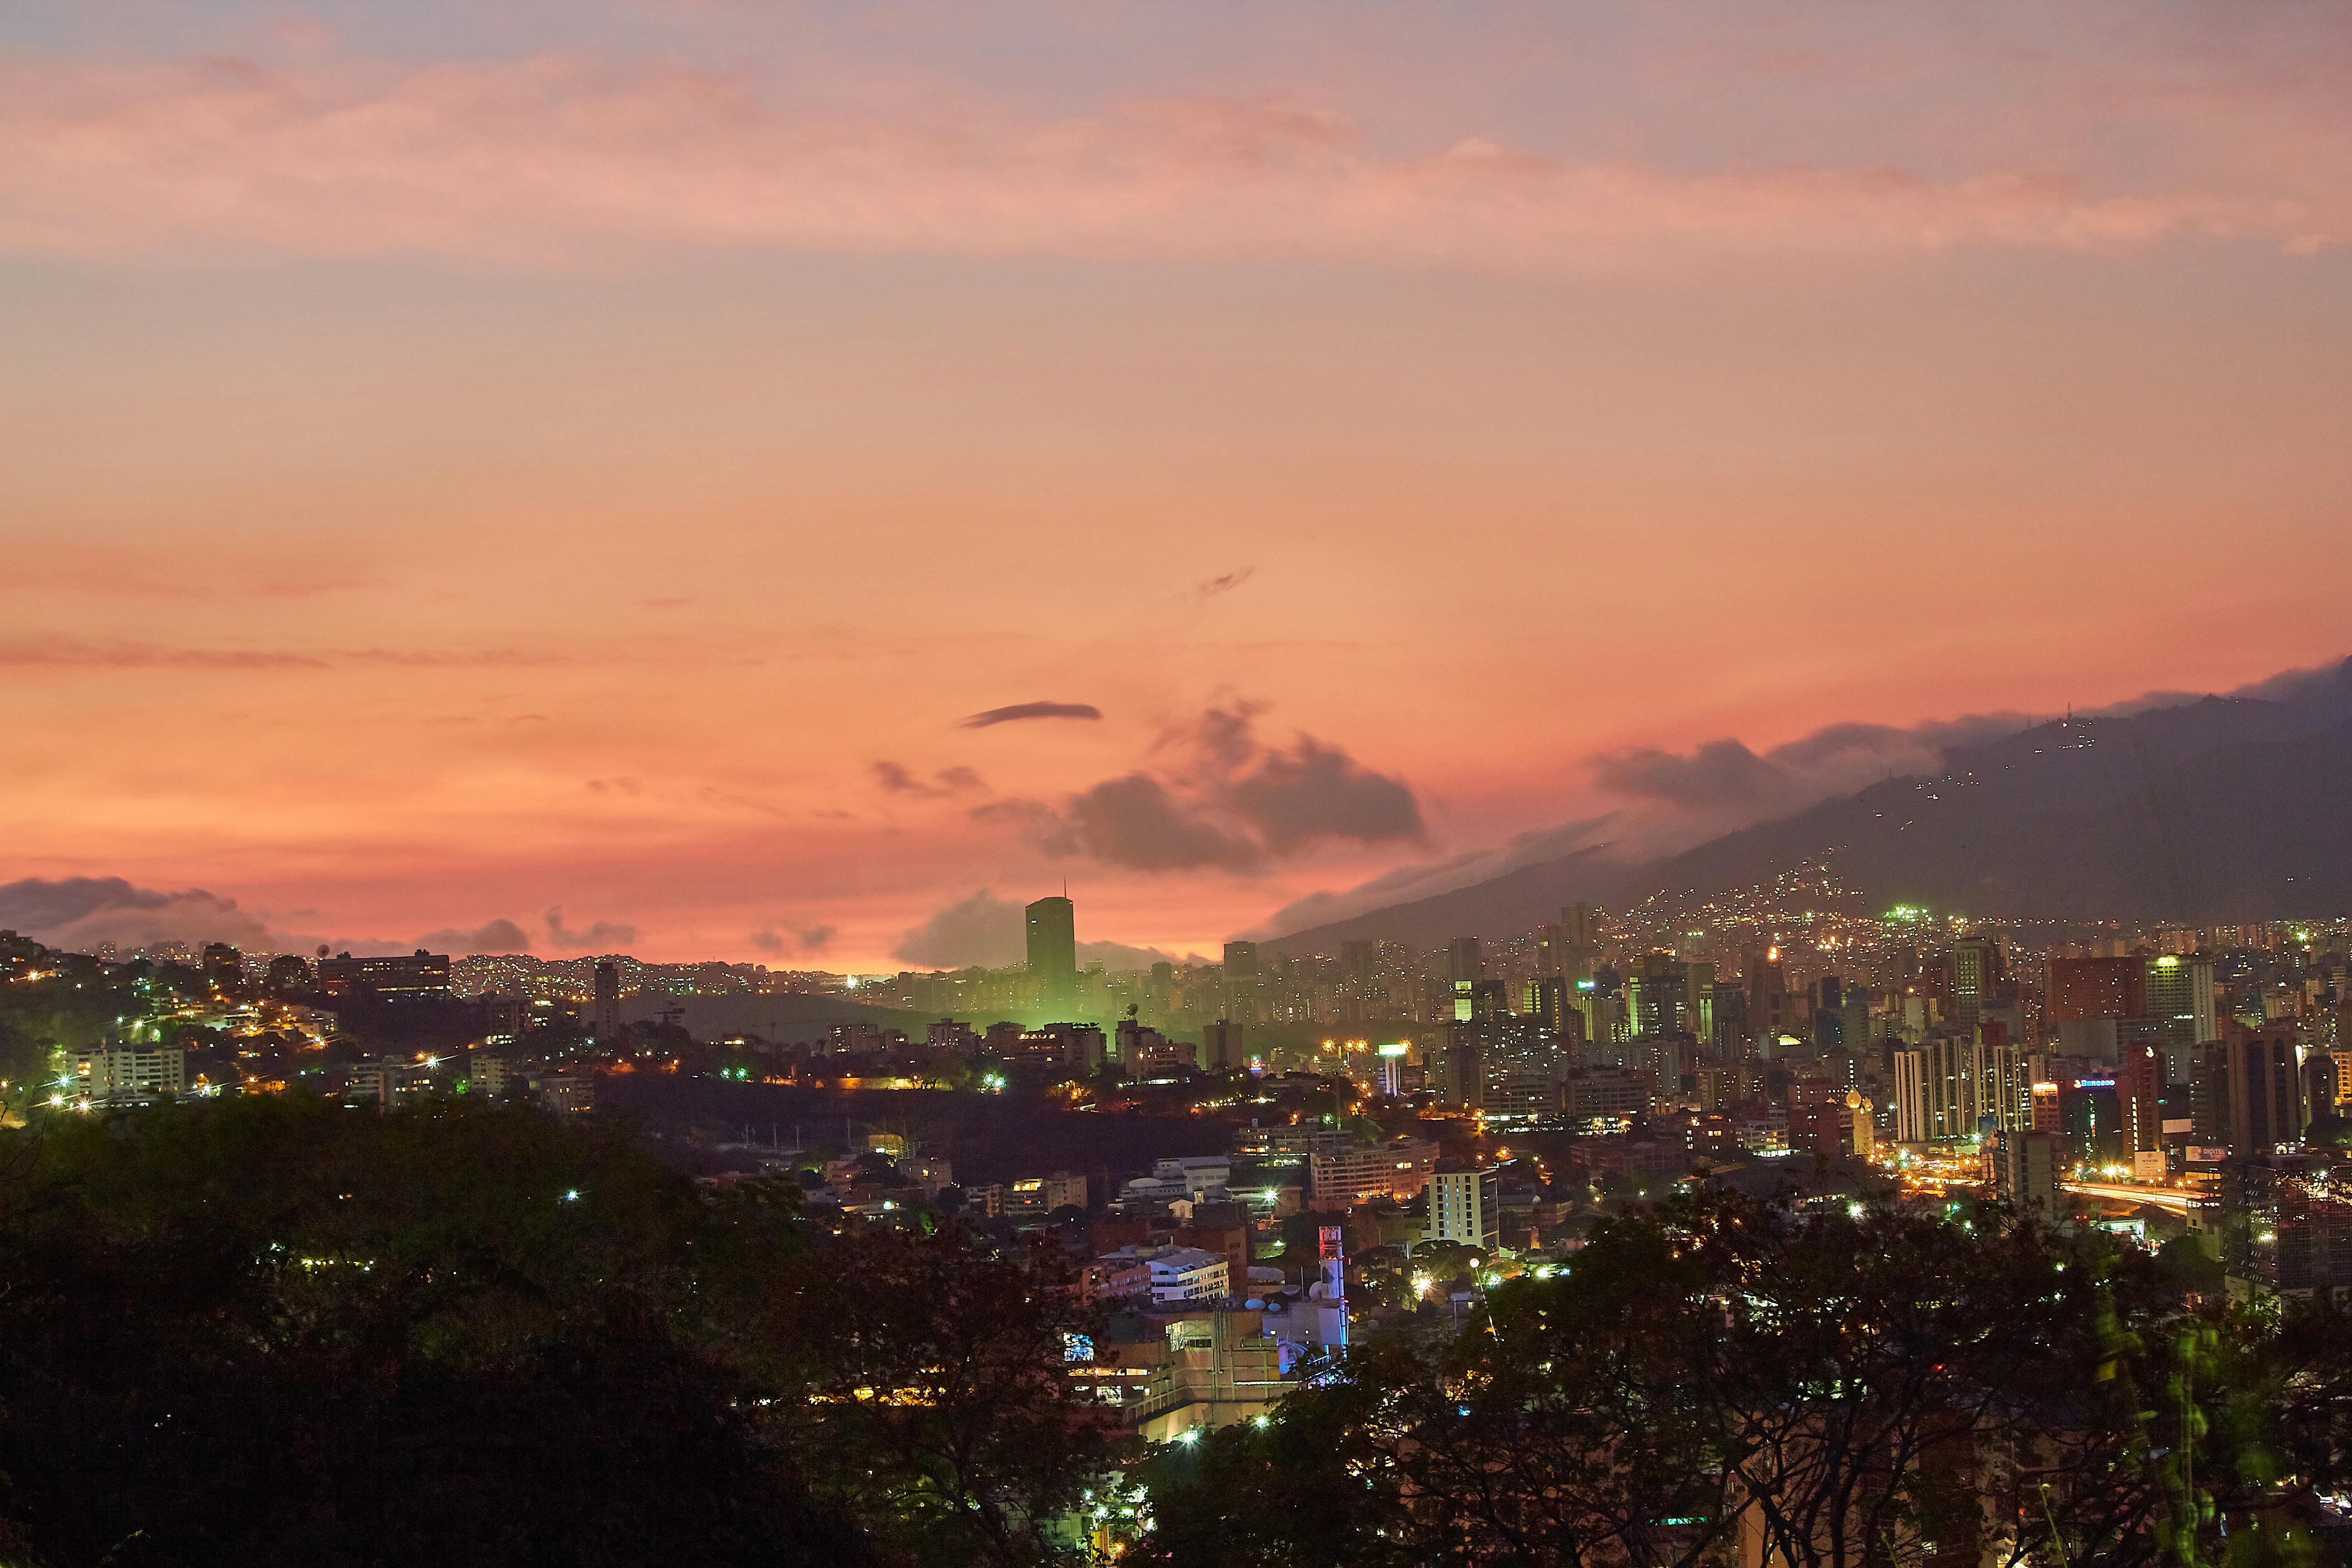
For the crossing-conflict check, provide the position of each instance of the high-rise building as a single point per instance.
(1543, 998)
(1863, 1125)
(1241, 985)
(2082, 989)
(1054, 954)
(1458, 1066)
(1579, 929)
(1665, 995)
(1976, 969)
(2255, 1089)
(1464, 1208)
(1934, 1092)
(1224, 1046)
(2179, 1002)
(1999, 1086)
(608, 1000)
(2027, 1168)
(2139, 1089)
(1465, 967)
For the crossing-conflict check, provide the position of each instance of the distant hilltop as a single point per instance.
(2217, 808)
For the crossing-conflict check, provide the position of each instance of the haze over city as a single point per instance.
(792, 484)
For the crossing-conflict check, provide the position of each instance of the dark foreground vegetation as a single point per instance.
(277, 1331)
(1729, 1381)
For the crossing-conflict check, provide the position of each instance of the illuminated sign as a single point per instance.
(1396, 1050)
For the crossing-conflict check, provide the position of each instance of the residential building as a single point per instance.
(2027, 1169)
(114, 1070)
(1398, 1169)
(1030, 1196)
(1612, 1092)
(1463, 1207)
(422, 976)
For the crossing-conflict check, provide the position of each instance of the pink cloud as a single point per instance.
(559, 160)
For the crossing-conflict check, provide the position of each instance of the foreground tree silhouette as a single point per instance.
(280, 1331)
(1725, 1380)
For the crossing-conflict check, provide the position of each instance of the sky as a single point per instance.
(790, 481)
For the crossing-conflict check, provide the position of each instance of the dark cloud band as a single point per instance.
(1032, 711)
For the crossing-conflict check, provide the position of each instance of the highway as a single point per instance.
(2172, 1198)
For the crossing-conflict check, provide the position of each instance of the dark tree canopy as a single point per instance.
(278, 1330)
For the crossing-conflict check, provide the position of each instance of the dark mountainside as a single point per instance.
(2216, 809)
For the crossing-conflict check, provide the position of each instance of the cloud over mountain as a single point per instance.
(495, 936)
(602, 935)
(79, 912)
(1219, 798)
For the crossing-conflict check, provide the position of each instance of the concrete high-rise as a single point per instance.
(1976, 969)
(1241, 985)
(1465, 967)
(2252, 1092)
(607, 1025)
(1579, 941)
(1053, 952)
(2180, 1004)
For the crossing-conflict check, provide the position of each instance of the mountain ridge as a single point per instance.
(2214, 809)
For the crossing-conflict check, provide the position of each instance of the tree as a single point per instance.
(271, 1329)
(1853, 1388)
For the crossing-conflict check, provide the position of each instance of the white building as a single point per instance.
(114, 1069)
(1463, 1206)
(1188, 1274)
(1201, 1174)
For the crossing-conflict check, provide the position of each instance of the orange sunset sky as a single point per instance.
(582, 465)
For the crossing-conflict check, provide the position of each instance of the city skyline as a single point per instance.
(795, 488)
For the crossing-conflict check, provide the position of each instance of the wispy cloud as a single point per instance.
(70, 654)
(556, 159)
(896, 778)
(1032, 711)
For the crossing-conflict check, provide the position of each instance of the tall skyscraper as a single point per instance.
(608, 1000)
(2254, 1092)
(1543, 998)
(1580, 939)
(1053, 952)
(2085, 989)
(1464, 966)
(1458, 1066)
(1241, 985)
(2180, 1002)
(1224, 1047)
(1976, 969)
(1935, 1098)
